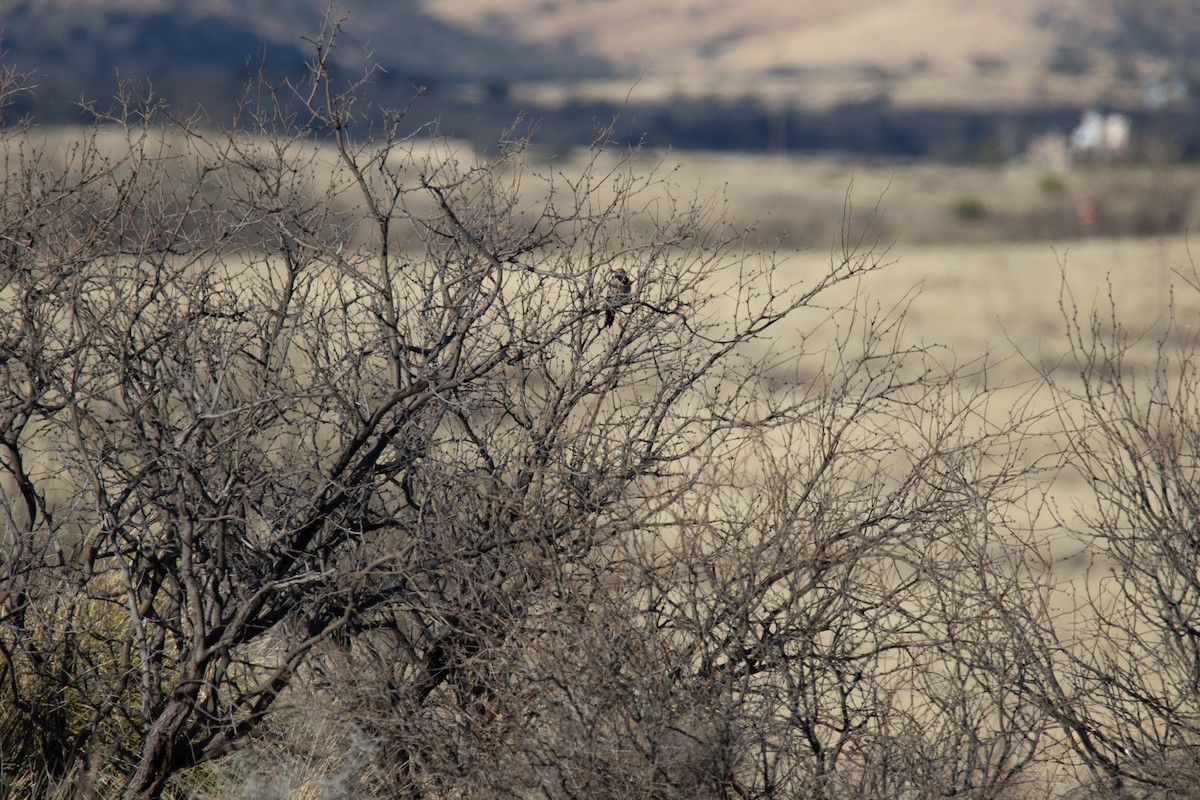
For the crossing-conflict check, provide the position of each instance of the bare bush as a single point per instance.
(1111, 655)
(303, 430)
(1135, 444)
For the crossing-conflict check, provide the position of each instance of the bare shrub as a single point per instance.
(1135, 443)
(1110, 655)
(305, 430)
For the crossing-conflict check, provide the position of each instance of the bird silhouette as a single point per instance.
(620, 289)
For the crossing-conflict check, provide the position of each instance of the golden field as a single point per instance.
(984, 287)
(976, 265)
(994, 289)
(800, 199)
(987, 280)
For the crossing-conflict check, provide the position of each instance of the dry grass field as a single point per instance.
(1001, 298)
(984, 281)
(994, 289)
(987, 295)
(801, 198)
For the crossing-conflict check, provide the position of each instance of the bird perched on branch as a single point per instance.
(620, 290)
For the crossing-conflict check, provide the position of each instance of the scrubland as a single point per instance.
(341, 467)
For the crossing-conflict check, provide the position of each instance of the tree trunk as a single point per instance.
(161, 756)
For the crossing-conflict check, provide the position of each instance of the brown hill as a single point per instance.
(202, 51)
(912, 77)
(814, 53)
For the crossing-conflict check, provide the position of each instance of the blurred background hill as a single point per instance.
(1090, 105)
(953, 79)
(913, 52)
(203, 51)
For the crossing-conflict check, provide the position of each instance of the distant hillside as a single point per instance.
(815, 53)
(950, 78)
(201, 51)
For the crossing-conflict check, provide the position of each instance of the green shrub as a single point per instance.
(968, 208)
(1052, 184)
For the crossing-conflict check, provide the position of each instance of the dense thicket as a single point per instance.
(345, 467)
